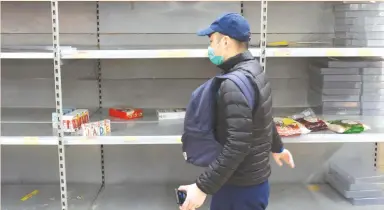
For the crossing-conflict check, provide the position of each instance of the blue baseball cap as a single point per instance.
(233, 25)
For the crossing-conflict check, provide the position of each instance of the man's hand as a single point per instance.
(285, 156)
(195, 197)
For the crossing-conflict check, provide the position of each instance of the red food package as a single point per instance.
(126, 113)
(310, 121)
(313, 123)
(289, 127)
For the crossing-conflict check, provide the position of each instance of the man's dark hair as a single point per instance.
(244, 45)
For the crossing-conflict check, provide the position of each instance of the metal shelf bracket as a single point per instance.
(59, 104)
(263, 34)
(99, 77)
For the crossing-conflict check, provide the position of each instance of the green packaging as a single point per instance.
(346, 126)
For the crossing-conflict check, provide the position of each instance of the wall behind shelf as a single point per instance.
(160, 23)
(288, 78)
(29, 83)
(29, 24)
(119, 28)
(156, 163)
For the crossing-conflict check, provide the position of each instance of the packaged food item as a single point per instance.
(54, 116)
(126, 113)
(289, 127)
(72, 121)
(309, 120)
(99, 128)
(170, 114)
(347, 126)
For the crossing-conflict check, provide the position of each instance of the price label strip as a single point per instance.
(31, 140)
(130, 139)
(282, 53)
(364, 52)
(89, 139)
(333, 53)
(84, 139)
(173, 54)
(179, 140)
(79, 54)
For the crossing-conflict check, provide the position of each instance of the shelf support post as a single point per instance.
(99, 76)
(242, 8)
(58, 102)
(263, 34)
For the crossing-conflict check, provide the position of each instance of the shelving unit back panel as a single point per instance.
(38, 164)
(29, 24)
(30, 84)
(154, 83)
(156, 163)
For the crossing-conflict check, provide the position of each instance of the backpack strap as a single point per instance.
(242, 81)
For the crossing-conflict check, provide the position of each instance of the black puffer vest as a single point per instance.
(255, 168)
(236, 127)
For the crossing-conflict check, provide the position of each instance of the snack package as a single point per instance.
(310, 121)
(289, 127)
(54, 116)
(347, 126)
(126, 113)
(99, 128)
(72, 121)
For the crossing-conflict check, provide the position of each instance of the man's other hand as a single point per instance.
(285, 156)
(195, 197)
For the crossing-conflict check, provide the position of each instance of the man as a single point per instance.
(238, 178)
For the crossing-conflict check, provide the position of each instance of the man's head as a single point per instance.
(229, 35)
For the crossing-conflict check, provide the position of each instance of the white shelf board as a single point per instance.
(28, 134)
(33, 127)
(318, 137)
(186, 0)
(201, 53)
(27, 126)
(135, 54)
(80, 197)
(195, 53)
(26, 55)
(151, 131)
(325, 52)
(28, 140)
(161, 197)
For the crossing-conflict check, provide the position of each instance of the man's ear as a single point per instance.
(226, 40)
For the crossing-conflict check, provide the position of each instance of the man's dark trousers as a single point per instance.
(253, 197)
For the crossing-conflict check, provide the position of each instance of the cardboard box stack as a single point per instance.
(359, 24)
(372, 97)
(347, 86)
(358, 183)
(335, 87)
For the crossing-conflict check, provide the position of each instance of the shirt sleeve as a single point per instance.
(277, 143)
